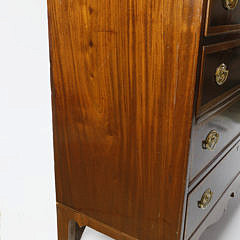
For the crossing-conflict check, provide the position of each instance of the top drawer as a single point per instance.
(222, 16)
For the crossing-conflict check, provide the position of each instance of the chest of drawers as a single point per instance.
(146, 115)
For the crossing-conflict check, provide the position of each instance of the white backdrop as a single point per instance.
(27, 194)
(27, 198)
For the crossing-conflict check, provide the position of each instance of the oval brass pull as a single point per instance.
(206, 199)
(230, 4)
(211, 140)
(221, 74)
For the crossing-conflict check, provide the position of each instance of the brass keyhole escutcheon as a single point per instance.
(206, 199)
(211, 140)
(221, 74)
(230, 4)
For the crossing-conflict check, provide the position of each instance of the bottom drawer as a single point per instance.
(217, 212)
(205, 195)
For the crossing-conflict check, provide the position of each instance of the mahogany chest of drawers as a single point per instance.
(146, 115)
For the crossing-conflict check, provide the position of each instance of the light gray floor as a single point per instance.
(90, 234)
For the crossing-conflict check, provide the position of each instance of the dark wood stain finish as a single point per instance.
(210, 93)
(121, 121)
(221, 20)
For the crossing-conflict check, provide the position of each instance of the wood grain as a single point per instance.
(123, 77)
(71, 225)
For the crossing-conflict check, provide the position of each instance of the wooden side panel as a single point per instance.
(123, 77)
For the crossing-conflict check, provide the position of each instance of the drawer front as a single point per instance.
(223, 16)
(227, 126)
(205, 195)
(220, 74)
(216, 213)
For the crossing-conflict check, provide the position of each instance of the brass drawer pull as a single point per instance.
(211, 140)
(206, 199)
(230, 4)
(221, 74)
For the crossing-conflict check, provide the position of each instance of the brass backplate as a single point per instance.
(221, 74)
(230, 4)
(206, 199)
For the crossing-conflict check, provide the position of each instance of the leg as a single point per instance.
(74, 231)
(63, 223)
(68, 228)
(68, 215)
(79, 232)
